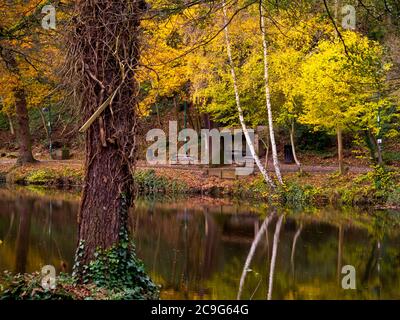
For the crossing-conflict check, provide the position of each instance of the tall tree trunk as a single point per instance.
(378, 149)
(43, 118)
(268, 99)
(176, 107)
(23, 132)
(368, 137)
(266, 146)
(238, 105)
(21, 110)
(104, 44)
(292, 142)
(10, 123)
(340, 150)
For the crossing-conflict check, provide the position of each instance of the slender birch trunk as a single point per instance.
(340, 150)
(12, 131)
(237, 98)
(339, 130)
(266, 146)
(44, 122)
(266, 157)
(268, 100)
(298, 163)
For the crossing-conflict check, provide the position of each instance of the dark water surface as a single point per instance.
(198, 248)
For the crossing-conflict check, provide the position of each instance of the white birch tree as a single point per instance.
(268, 98)
(238, 105)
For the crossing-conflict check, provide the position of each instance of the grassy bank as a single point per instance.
(377, 188)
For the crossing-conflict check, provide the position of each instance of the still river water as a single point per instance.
(203, 248)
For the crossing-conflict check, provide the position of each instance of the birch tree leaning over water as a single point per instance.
(268, 97)
(238, 105)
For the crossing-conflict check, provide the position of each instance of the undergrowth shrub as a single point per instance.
(40, 177)
(295, 195)
(119, 270)
(378, 186)
(148, 182)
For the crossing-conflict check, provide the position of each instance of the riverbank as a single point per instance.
(378, 187)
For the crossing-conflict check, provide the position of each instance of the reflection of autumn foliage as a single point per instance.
(196, 248)
(35, 231)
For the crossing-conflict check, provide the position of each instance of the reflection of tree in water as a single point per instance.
(257, 238)
(340, 253)
(200, 252)
(24, 208)
(206, 261)
(373, 265)
(263, 229)
(293, 254)
(273, 258)
(211, 234)
(176, 251)
(36, 231)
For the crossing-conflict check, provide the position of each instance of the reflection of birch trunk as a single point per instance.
(253, 248)
(268, 99)
(210, 246)
(273, 259)
(379, 269)
(296, 236)
(237, 98)
(340, 252)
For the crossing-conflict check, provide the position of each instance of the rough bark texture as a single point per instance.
(23, 133)
(103, 55)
